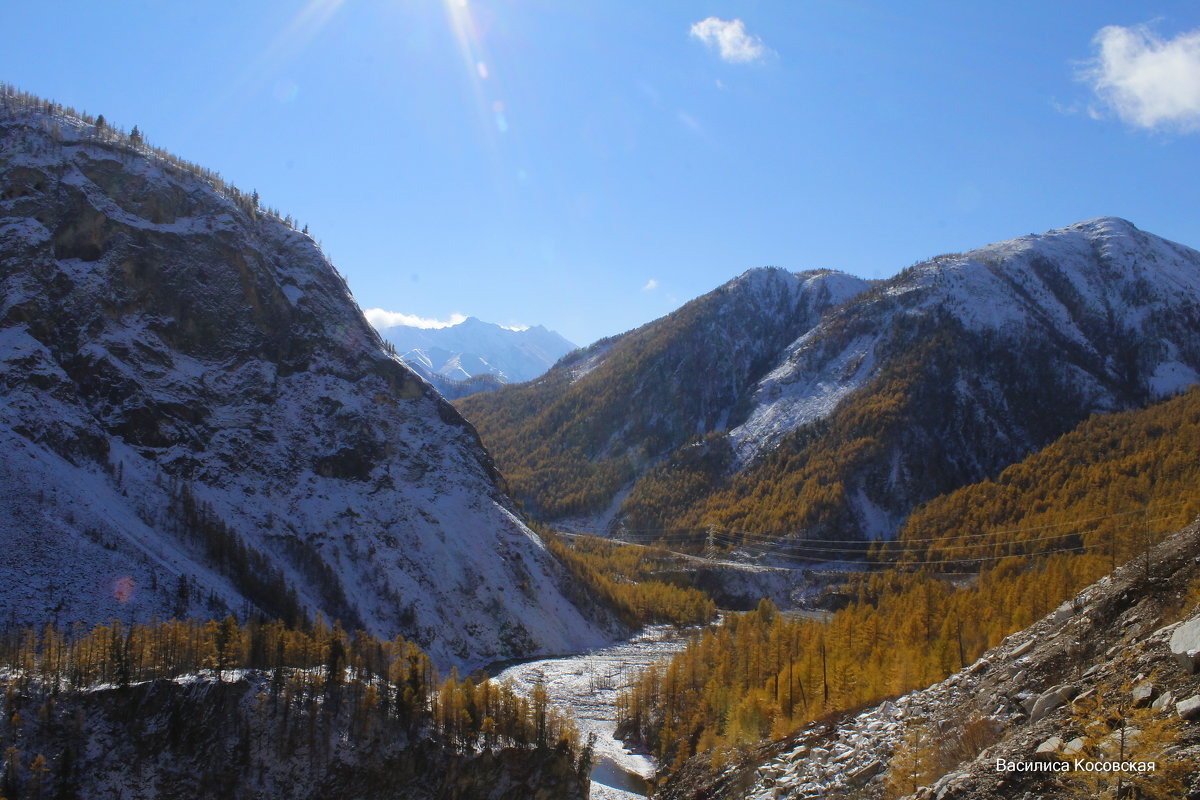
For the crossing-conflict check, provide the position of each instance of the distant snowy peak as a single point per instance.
(474, 347)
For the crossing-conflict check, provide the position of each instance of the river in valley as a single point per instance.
(586, 686)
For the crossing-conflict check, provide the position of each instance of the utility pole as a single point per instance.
(1112, 548)
(1146, 541)
(824, 676)
(962, 655)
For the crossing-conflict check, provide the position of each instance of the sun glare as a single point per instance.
(468, 34)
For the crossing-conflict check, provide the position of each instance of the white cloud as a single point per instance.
(730, 40)
(650, 286)
(1149, 82)
(382, 318)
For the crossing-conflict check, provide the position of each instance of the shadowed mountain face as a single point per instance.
(846, 418)
(571, 440)
(196, 418)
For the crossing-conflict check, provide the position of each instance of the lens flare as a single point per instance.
(286, 45)
(469, 35)
(123, 589)
(286, 91)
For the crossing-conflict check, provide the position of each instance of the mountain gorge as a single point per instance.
(846, 418)
(278, 531)
(197, 420)
(571, 440)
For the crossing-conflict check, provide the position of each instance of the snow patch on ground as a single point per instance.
(791, 395)
(1171, 377)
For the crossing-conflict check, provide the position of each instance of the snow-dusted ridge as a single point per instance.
(1087, 284)
(162, 347)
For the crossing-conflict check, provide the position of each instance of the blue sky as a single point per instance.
(591, 165)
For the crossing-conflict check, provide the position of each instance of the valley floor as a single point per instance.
(586, 686)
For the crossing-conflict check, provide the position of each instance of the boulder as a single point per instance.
(1120, 743)
(1142, 694)
(1080, 698)
(864, 773)
(1185, 645)
(1189, 708)
(1051, 699)
(1022, 650)
(948, 784)
(1164, 700)
(1050, 748)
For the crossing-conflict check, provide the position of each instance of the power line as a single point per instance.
(897, 555)
(793, 551)
(897, 546)
(690, 534)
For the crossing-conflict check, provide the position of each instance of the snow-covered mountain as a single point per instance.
(474, 347)
(962, 365)
(196, 418)
(1118, 306)
(890, 394)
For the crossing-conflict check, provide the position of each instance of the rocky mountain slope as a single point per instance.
(1121, 656)
(474, 347)
(847, 417)
(196, 419)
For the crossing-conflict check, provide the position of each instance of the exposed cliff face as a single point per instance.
(194, 406)
(200, 739)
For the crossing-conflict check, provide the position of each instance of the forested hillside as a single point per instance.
(969, 568)
(220, 709)
(1100, 487)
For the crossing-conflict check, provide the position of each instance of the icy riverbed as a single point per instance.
(586, 686)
